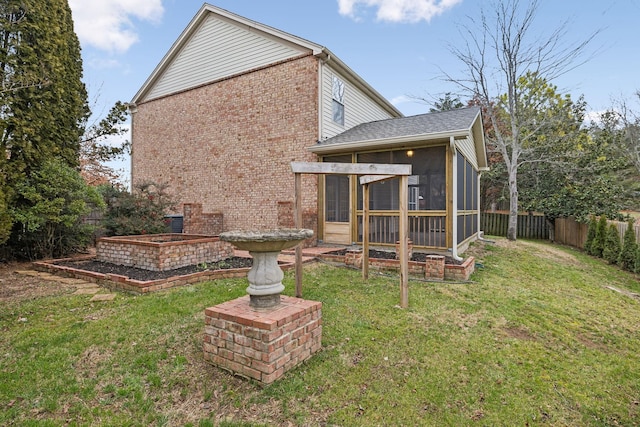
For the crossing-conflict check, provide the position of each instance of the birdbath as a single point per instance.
(265, 276)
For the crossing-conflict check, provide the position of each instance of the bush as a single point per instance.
(636, 267)
(591, 234)
(140, 212)
(48, 213)
(626, 260)
(597, 246)
(611, 250)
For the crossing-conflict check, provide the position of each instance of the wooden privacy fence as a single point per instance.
(530, 226)
(570, 232)
(566, 231)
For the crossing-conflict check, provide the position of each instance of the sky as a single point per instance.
(400, 47)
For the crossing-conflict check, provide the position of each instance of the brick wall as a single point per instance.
(228, 145)
(198, 222)
(162, 252)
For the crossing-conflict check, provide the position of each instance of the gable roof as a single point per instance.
(296, 46)
(409, 131)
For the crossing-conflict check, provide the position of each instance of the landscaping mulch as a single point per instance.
(148, 275)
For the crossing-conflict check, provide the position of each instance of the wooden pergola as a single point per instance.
(369, 173)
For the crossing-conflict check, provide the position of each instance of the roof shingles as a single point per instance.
(424, 124)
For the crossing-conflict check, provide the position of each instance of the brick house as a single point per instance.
(234, 101)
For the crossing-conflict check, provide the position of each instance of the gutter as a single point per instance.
(384, 142)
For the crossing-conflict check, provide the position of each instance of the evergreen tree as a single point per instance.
(58, 198)
(611, 250)
(636, 267)
(43, 102)
(591, 234)
(597, 246)
(626, 260)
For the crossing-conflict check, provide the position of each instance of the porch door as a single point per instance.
(337, 218)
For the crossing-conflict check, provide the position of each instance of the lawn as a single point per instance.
(542, 335)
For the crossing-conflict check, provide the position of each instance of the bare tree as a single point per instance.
(629, 120)
(499, 49)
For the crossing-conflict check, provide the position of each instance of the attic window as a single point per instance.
(338, 100)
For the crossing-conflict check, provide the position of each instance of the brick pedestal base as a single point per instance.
(262, 344)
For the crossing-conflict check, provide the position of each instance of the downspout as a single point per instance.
(454, 210)
(480, 232)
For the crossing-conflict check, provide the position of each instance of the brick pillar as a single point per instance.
(262, 344)
(434, 267)
(409, 249)
(353, 257)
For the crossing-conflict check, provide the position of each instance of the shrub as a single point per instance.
(597, 246)
(626, 260)
(140, 212)
(611, 250)
(48, 215)
(591, 234)
(636, 267)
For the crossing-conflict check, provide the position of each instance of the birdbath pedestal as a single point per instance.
(265, 276)
(263, 335)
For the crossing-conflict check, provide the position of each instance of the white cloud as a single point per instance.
(398, 10)
(107, 24)
(593, 116)
(103, 63)
(401, 99)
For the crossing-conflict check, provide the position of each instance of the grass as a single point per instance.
(539, 337)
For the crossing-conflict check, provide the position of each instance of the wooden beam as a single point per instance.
(368, 179)
(404, 242)
(350, 168)
(365, 231)
(297, 210)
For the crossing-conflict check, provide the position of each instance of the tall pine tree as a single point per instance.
(43, 101)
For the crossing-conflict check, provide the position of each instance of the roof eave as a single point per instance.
(372, 144)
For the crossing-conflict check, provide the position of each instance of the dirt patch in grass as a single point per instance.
(17, 287)
(518, 333)
(546, 251)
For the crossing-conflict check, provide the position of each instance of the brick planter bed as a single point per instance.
(161, 252)
(429, 266)
(127, 284)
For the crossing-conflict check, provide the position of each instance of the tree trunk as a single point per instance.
(512, 230)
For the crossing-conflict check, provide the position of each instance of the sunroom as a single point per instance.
(447, 153)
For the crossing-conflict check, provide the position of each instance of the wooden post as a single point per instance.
(365, 231)
(297, 209)
(404, 242)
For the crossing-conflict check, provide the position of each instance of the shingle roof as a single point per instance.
(424, 124)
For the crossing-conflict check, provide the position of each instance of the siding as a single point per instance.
(219, 49)
(358, 108)
(468, 148)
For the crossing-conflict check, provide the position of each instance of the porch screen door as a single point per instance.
(337, 204)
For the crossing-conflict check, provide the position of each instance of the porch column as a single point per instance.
(404, 241)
